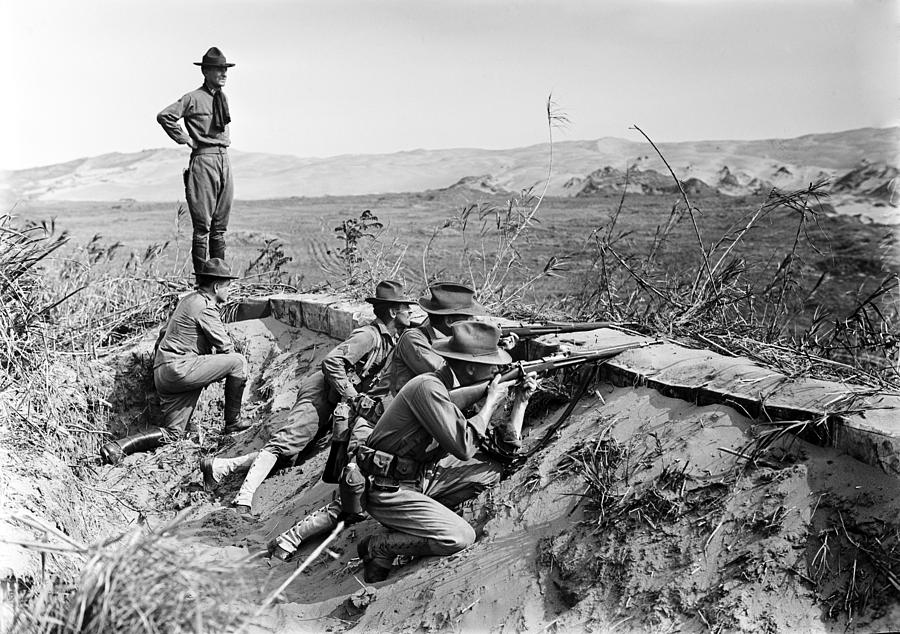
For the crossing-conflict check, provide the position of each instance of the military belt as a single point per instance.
(386, 469)
(369, 408)
(210, 149)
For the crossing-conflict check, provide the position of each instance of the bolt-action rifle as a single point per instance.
(465, 397)
(526, 331)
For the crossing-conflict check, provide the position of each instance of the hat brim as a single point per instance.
(217, 276)
(429, 306)
(500, 357)
(381, 300)
(217, 65)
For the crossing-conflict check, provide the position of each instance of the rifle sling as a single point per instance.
(573, 402)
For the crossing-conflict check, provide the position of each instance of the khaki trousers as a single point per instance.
(209, 190)
(180, 382)
(451, 483)
(419, 513)
(308, 420)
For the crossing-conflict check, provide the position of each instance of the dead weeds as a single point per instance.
(139, 581)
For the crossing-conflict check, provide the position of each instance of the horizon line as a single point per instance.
(460, 148)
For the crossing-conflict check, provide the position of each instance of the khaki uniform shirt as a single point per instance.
(414, 356)
(352, 366)
(423, 424)
(194, 328)
(196, 108)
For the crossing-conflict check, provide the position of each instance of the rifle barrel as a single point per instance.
(467, 395)
(567, 360)
(550, 328)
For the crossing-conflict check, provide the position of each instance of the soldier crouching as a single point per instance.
(419, 428)
(451, 481)
(193, 351)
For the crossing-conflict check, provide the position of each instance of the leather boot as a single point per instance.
(317, 523)
(378, 552)
(234, 394)
(374, 569)
(393, 543)
(277, 552)
(113, 451)
(262, 465)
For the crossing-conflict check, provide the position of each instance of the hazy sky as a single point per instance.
(319, 78)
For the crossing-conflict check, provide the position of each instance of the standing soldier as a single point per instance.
(208, 185)
(347, 371)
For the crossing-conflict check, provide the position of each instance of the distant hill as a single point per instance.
(861, 163)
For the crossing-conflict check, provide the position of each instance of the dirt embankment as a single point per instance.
(635, 516)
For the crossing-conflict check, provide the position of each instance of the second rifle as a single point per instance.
(464, 397)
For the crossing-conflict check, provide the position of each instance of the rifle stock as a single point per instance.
(466, 396)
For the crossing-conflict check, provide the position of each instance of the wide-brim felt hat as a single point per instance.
(473, 341)
(389, 292)
(216, 267)
(213, 57)
(449, 298)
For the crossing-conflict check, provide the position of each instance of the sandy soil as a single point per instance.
(634, 517)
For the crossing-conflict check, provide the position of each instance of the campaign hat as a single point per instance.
(389, 292)
(473, 341)
(213, 57)
(217, 268)
(450, 298)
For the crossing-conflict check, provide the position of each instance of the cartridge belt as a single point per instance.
(386, 469)
(370, 408)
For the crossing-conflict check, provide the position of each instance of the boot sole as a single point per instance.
(279, 553)
(244, 511)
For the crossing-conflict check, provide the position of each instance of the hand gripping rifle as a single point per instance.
(526, 331)
(465, 397)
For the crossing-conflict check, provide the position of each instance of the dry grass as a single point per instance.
(855, 565)
(47, 394)
(741, 297)
(66, 309)
(494, 239)
(364, 258)
(139, 581)
(25, 310)
(621, 496)
(599, 462)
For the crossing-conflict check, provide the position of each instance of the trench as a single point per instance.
(542, 559)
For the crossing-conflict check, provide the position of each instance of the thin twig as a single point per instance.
(306, 562)
(690, 209)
